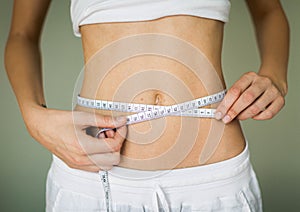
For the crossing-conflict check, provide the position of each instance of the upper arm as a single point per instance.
(28, 18)
(260, 8)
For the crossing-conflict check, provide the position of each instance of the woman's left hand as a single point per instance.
(252, 96)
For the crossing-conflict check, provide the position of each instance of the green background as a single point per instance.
(274, 144)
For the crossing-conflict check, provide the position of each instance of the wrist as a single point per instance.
(278, 78)
(33, 114)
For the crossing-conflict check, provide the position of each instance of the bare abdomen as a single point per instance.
(161, 80)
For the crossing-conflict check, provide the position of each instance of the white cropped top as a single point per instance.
(101, 11)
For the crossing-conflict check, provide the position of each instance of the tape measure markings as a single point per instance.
(145, 112)
(106, 187)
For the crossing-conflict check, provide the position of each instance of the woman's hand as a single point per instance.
(252, 96)
(63, 133)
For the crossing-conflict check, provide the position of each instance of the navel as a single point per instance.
(158, 99)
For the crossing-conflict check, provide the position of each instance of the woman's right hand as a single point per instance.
(63, 133)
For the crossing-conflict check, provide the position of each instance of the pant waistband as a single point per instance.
(199, 174)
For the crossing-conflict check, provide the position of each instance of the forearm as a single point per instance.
(23, 67)
(272, 32)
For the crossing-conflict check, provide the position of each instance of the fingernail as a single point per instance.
(226, 119)
(218, 115)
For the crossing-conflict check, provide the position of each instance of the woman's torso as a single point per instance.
(204, 34)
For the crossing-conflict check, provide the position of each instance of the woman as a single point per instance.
(224, 179)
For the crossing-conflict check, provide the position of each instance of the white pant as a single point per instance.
(229, 185)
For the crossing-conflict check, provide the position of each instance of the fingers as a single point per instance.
(65, 135)
(116, 138)
(109, 133)
(104, 144)
(259, 105)
(233, 94)
(248, 97)
(91, 153)
(120, 134)
(271, 110)
(93, 162)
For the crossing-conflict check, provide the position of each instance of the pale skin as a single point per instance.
(258, 95)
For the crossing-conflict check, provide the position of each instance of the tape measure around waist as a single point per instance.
(145, 112)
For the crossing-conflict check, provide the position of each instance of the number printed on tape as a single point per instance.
(147, 112)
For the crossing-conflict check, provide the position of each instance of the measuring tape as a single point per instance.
(143, 112)
(106, 188)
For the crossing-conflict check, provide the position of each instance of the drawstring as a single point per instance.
(159, 196)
